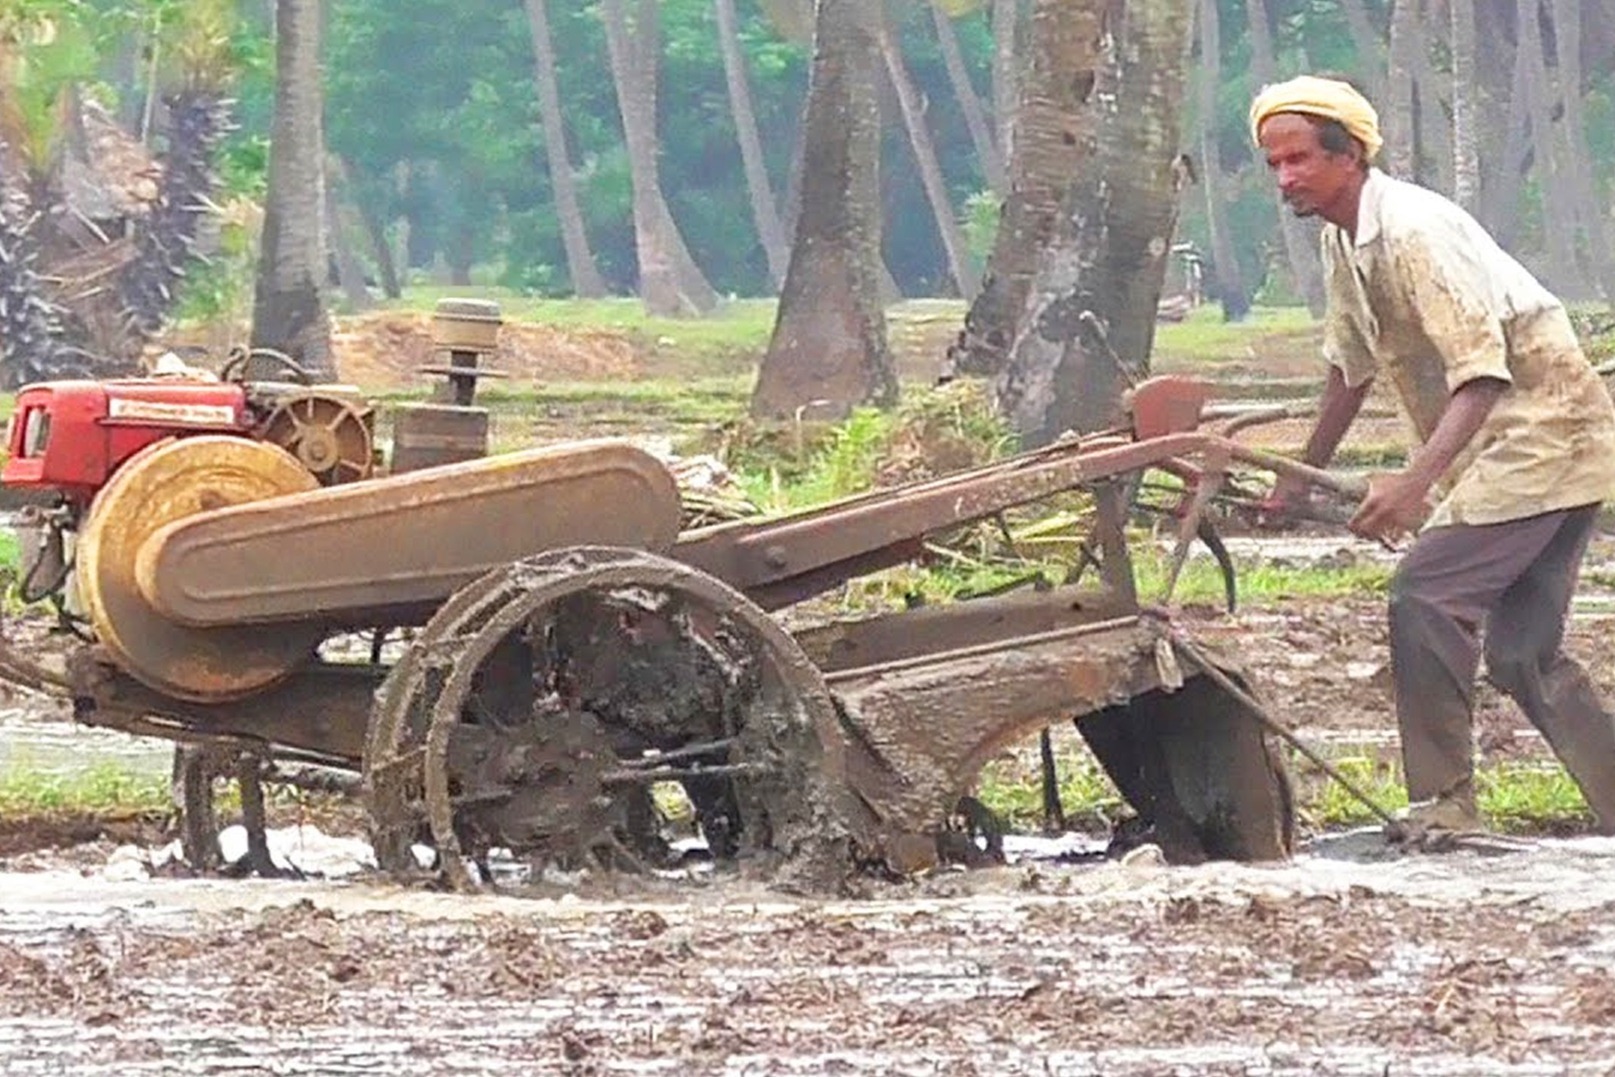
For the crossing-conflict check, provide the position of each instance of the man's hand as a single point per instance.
(1280, 508)
(1395, 506)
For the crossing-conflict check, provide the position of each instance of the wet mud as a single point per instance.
(1350, 960)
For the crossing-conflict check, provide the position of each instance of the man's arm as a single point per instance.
(1396, 503)
(1337, 410)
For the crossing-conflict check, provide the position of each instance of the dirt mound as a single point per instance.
(385, 349)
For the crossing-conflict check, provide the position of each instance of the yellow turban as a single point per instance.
(1329, 98)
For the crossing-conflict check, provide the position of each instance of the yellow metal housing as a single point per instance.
(169, 481)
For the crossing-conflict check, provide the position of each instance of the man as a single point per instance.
(1516, 449)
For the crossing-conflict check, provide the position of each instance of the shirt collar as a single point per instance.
(1369, 203)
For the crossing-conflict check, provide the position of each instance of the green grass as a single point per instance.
(1522, 797)
(1528, 797)
(104, 788)
(1259, 581)
(1204, 339)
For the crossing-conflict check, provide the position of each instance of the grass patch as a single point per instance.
(1270, 334)
(1515, 796)
(1259, 581)
(105, 787)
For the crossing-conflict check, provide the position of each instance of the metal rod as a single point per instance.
(687, 752)
(1226, 683)
(676, 774)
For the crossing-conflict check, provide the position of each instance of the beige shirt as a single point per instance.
(1426, 296)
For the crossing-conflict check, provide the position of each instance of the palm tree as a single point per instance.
(1465, 145)
(1229, 281)
(1587, 207)
(1550, 164)
(829, 352)
(1053, 134)
(924, 147)
(763, 210)
(198, 120)
(580, 264)
(1006, 92)
(30, 324)
(992, 161)
(670, 283)
(1401, 105)
(1091, 320)
(288, 310)
(1300, 240)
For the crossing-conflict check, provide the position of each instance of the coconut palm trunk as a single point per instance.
(981, 136)
(580, 263)
(1300, 238)
(1365, 39)
(829, 352)
(1400, 109)
(1227, 279)
(1006, 73)
(1557, 195)
(670, 283)
(1091, 324)
(1588, 206)
(924, 147)
(1053, 136)
(288, 310)
(764, 211)
(1465, 87)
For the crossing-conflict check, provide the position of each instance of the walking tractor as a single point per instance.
(572, 648)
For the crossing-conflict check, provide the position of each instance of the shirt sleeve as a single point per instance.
(1343, 343)
(1451, 293)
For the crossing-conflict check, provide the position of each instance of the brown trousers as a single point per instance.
(1516, 579)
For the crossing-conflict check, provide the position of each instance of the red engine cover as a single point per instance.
(71, 435)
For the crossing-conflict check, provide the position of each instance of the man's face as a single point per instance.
(1311, 179)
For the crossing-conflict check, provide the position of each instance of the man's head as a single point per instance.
(1319, 136)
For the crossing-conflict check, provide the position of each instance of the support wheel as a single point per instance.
(552, 707)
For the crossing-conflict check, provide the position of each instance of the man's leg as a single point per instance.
(1525, 659)
(1440, 595)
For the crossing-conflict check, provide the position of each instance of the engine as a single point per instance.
(69, 437)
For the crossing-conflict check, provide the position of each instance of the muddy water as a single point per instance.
(1350, 960)
(44, 744)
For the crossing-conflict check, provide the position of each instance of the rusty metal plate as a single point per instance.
(405, 541)
(173, 481)
(1182, 753)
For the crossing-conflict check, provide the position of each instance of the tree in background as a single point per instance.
(670, 283)
(1300, 237)
(829, 351)
(585, 275)
(763, 210)
(1091, 321)
(1053, 135)
(288, 310)
(1225, 280)
(925, 159)
(943, 13)
(30, 324)
(198, 120)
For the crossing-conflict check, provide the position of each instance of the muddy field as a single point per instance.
(1336, 964)
(1353, 959)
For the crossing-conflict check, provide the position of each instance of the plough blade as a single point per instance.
(1199, 773)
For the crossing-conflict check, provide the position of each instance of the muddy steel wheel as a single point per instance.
(541, 704)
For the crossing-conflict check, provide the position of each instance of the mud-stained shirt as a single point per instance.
(1427, 297)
